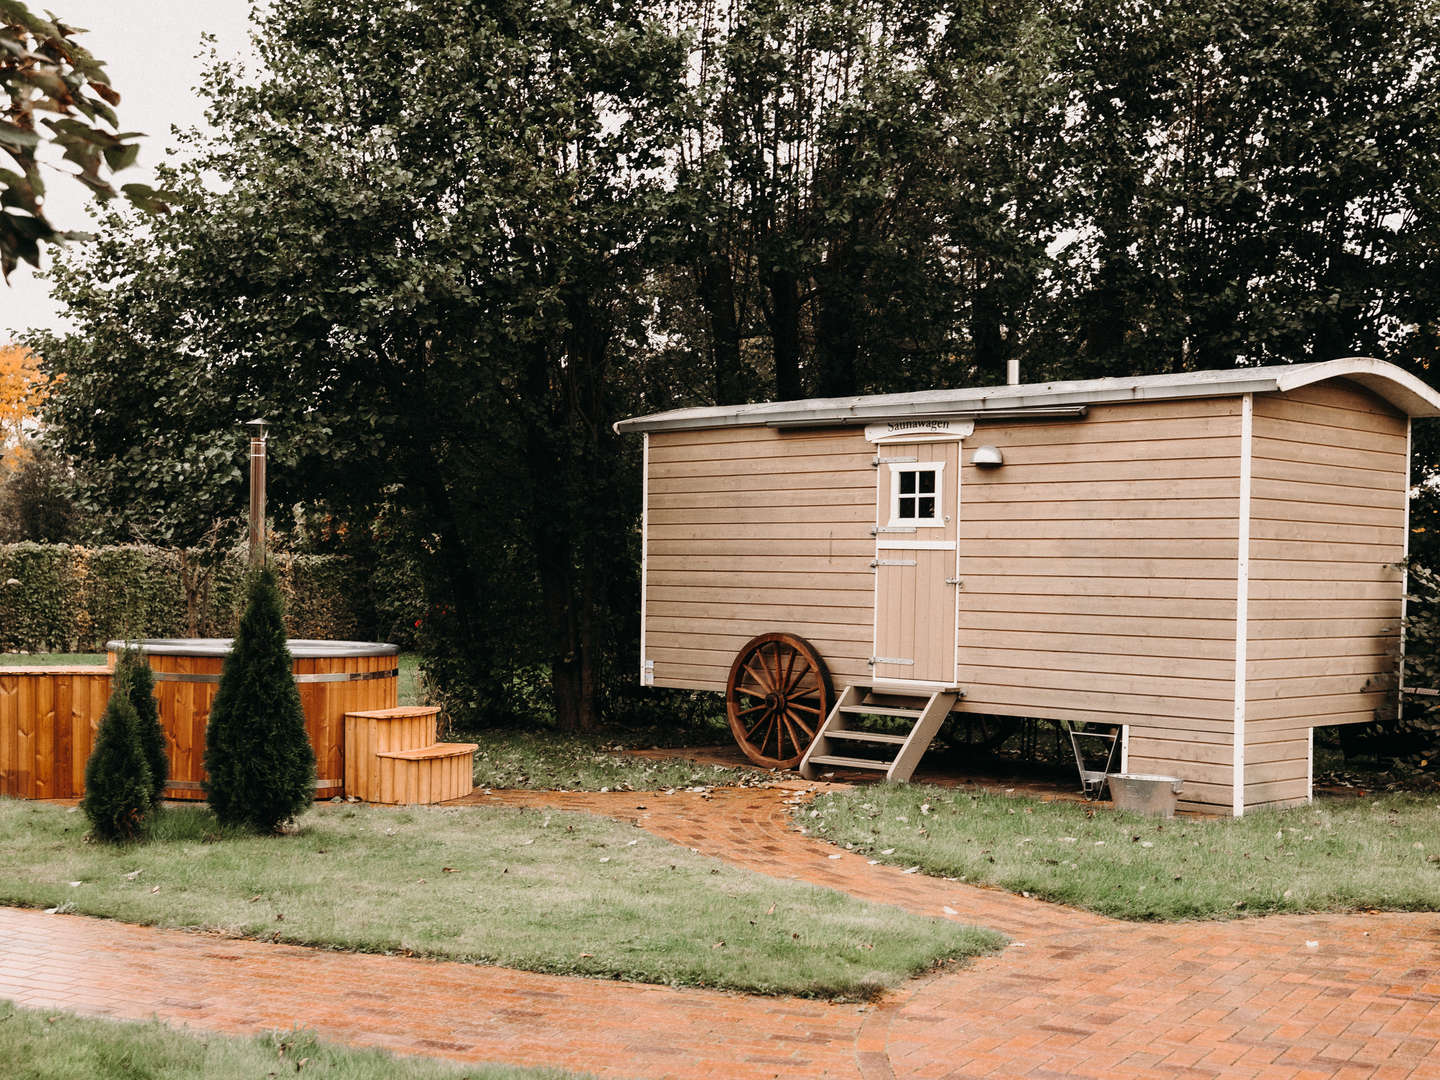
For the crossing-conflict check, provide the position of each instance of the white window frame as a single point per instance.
(936, 467)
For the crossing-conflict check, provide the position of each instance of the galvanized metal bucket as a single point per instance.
(1144, 794)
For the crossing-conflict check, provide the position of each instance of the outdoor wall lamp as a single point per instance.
(987, 457)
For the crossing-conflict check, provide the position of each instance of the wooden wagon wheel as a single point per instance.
(777, 697)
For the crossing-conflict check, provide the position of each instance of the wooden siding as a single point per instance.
(1099, 568)
(48, 719)
(1327, 525)
(754, 530)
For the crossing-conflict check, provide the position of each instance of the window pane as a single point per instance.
(907, 508)
(907, 483)
(927, 482)
(927, 507)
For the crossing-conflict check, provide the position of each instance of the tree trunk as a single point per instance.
(783, 316)
(838, 328)
(715, 284)
(563, 456)
(985, 336)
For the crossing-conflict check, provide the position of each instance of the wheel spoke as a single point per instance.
(789, 668)
(807, 708)
(752, 708)
(763, 681)
(752, 693)
(809, 731)
(795, 677)
(750, 735)
(785, 723)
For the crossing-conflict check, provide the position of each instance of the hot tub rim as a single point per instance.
(300, 648)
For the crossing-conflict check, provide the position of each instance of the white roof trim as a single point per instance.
(1404, 391)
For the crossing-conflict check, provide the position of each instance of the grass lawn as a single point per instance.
(50, 1045)
(550, 761)
(51, 659)
(539, 890)
(1335, 855)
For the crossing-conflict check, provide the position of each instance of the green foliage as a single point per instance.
(35, 501)
(260, 766)
(53, 92)
(72, 598)
(134, 678)
(118, 793)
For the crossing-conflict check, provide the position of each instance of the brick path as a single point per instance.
(1077, 996)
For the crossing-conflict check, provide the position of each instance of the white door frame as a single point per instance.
(887, 436)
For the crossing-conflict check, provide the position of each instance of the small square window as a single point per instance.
(915, 495)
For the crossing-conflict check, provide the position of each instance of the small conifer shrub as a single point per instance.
(117, 778)
(132, 671)
(260, 766)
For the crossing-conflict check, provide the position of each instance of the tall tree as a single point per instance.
(22, 389)
(1260, 181)
(863, 188)
(424, 282)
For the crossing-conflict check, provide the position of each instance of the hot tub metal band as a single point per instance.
(336, 676)
(196, 785)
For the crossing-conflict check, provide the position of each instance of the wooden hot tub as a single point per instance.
(334, 677)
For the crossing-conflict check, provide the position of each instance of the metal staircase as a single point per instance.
(854, 735)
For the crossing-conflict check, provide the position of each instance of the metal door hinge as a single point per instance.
(892, 562)
(876, 530)
(878, 461)
(890, 660)
(954, 581)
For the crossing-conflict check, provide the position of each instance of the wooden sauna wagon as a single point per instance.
(1207, 560)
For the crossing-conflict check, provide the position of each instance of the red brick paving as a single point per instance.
(1075, 996)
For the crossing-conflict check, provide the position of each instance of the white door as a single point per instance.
(916, 524)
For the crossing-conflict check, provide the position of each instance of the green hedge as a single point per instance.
(65, 598)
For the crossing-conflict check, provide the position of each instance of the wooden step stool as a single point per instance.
(391, 756)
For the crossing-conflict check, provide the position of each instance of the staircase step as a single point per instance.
(848, 762)
(865, 736)
(880, 710)
(425, 753)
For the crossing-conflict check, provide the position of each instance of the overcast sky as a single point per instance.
(150, 49)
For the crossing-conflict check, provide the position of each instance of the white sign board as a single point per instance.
(918, 430)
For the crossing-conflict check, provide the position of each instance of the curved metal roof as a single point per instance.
(1399, 388)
